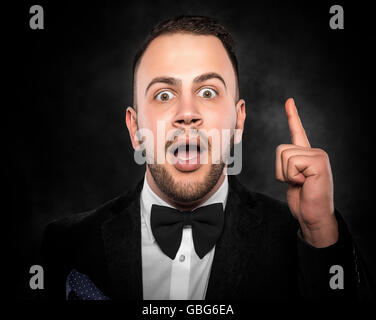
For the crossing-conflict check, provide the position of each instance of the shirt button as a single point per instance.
(182, 258)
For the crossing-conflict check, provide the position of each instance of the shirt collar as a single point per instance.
(149, 197)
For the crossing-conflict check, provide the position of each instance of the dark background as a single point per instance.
(71, 82)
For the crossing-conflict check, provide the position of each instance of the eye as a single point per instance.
(164, 96)
(207, 93)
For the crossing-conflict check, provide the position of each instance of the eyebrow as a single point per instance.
(176, 82)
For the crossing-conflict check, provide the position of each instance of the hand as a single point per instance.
(309, 181)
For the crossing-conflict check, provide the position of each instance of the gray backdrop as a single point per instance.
(70, 149)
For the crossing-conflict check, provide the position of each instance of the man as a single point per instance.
(190, 230)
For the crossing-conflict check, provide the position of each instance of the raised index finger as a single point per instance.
(298, 135)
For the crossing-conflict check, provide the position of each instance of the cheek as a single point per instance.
(156, 130)
(147, 118)
(224, 117)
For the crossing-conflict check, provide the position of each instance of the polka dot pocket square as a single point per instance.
(80, 287)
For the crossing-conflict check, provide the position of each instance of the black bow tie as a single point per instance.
(167, 227)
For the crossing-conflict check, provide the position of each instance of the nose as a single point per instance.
(187, 116)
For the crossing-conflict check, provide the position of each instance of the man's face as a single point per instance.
(186, 82)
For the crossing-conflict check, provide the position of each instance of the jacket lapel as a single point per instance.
(122, 243)
(238, 244)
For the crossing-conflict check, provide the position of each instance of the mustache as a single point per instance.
(190, 132)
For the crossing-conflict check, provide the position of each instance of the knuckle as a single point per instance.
(279, 149)
(324, 155)
(291, 162)
(320, 151)
(285, 154)
(282, 147)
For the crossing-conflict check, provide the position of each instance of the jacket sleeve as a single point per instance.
(332, 272)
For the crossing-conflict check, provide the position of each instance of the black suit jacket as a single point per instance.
(258, 256)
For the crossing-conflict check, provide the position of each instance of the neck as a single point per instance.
(183, 206)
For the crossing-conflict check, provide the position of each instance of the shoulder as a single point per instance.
(271, 205)
(262, 219)
(252, 198)
(85, 223)
(82, 220)
(268, 209)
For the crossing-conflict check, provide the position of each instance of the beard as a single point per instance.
(183, 191)
(188, 191)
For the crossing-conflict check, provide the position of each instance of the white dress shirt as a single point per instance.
(187, 276)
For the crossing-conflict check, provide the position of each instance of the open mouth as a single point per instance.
(186, 153)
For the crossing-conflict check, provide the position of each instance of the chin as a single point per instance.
(186, 186)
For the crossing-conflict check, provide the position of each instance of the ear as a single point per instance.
(240, 112)
(131, 122)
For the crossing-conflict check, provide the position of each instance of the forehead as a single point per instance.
(184, 56)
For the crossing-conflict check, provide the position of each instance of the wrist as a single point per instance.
(321, 235)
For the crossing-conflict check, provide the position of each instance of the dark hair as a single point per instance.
(199, 25)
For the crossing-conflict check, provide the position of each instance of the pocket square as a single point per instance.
(80, 287)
